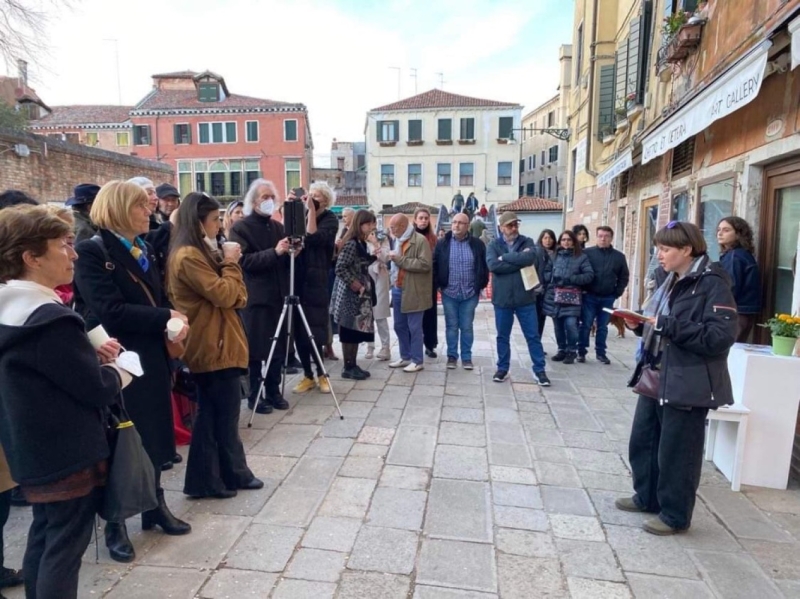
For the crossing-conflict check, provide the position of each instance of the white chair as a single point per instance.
(736, 413)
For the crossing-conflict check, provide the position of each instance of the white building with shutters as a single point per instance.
(428, 147)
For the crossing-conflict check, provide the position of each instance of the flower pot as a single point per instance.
(783, 346)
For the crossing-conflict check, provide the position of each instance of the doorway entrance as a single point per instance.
(647, 251)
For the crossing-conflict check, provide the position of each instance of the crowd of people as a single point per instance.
(153, 272)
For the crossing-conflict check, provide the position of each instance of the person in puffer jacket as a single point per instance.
(735, 238)
(571, 272)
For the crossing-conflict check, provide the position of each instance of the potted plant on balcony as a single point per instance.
(673, 23)
(607, 135)
(785, 330)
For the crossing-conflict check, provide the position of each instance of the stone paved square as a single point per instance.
(446, 485)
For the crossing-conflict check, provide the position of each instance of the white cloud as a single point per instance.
(334, 60)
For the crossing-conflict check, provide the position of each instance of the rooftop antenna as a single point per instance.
(398, 79)
(441, 80)
(414, 75)
(116, 55)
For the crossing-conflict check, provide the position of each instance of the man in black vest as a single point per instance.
(610, 280)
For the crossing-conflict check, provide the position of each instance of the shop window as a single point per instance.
(716, 202)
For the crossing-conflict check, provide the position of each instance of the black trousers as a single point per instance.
(5, 509)
(304, 349)
(666, 455)
(59, 534)
(430, 337)
(216, 456)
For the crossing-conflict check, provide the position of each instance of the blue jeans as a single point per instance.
(408, 328)
(593, 310)
(459, 314)
(567, 333)
(504, 320)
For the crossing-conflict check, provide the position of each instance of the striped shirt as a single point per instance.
(461, 283)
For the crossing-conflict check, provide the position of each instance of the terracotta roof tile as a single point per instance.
(437, 98)
(176, 99)
(176, 75)
(84, 115)
(408, 208)
(529, 204)
(352, 200)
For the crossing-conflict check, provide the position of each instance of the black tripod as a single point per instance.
(290, 303)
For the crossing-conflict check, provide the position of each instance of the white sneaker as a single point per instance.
(385, 354)
(412, 367)
(370, 352)
(399, 363)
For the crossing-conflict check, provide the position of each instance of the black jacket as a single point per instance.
(52, 391)
(312, 268)
(569, 270)
(610, 268)
(266, 275)
(508, 290)
(698, 333)
(743, 270)
(159, 239)
(441, 262)
(106, 293)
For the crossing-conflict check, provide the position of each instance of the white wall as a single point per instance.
(532, 223)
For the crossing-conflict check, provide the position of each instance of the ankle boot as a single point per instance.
(161, 516)
(119, 545)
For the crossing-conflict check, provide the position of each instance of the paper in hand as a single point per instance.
(530, 278)
(626, 314)
(129, 362)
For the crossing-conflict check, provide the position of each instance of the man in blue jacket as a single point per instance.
(460, 272)
(610, 280)
(506, 257)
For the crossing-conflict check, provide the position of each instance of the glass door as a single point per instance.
(649, 262)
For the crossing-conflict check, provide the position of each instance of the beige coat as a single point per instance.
(417, 263)
(6, 482)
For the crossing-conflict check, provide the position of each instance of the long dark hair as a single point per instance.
(188, 230)
(552, 235)
(580, 229)
(362, 217)
(744, 233)
(576, 246)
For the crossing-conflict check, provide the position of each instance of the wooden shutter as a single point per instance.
(606, 99)
(504, 127)
(414, 130)
(621, 69)
(176, 134)
(645, 46)
(380, 130)
(396, 131)
(230, 132)
(445, 129)
(634, 51)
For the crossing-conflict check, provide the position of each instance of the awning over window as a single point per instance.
(621, 164)
(794, 30)
(736, 88)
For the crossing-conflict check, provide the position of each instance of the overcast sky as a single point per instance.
(334, 56)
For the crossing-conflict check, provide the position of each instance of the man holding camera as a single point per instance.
(265, 262)
(312, 279)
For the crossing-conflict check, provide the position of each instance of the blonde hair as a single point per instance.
(61, 212)
(112, 207)
(326, 191)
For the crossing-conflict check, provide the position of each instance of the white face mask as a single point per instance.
(267, 207)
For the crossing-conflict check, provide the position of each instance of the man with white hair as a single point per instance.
(152, 199)
(265, 262)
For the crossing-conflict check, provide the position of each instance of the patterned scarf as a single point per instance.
(137, 249)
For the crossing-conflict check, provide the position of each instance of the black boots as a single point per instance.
(351, 369)
(570, 357)
(559, 357)
(161, 516)
(118, 543)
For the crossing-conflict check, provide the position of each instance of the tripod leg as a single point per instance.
(265, 368)
(289, 344)
(320, 362)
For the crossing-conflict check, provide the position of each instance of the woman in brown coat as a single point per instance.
(209, 287)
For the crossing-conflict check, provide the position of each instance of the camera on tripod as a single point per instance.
(294, 218)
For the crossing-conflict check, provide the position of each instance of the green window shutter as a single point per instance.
(634, 55)
(645, 47)
(467, 128)
(445, 129)
(690, 5)
(230, 132)
(176, 134)
(606, 99)
(204, 138)
(621, 69)
(216, 133)
(415, 130)
(290, 131)
(396, 130)
(380, 130)
(504, 128)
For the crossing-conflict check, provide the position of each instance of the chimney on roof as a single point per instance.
(22, 73)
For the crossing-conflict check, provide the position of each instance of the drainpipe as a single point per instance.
(592, 58)
(158, 153)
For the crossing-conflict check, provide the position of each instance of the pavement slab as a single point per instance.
(413, 445)
(642, 552)
(397, 508)
(384, 550)
(526, 577)
(373, 585)
(247, 584)
(735, 576)
(467, 463)
(459, 510)
(468, 566)
(585, 559)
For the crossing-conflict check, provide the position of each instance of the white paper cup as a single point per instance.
(98, 336)
(174, 328)
(230, 245)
